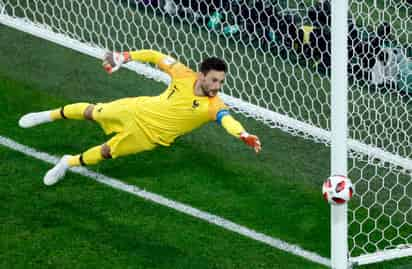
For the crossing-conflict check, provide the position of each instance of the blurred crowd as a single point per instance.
(302, 35)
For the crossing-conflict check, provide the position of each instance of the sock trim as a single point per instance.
(81, 160)
(62, 113)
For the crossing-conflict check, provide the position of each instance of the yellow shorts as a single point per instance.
(118, 117)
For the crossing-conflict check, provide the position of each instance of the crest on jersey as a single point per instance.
(195, 104)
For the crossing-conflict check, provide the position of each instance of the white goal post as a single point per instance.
(339, 128)
(292, 69)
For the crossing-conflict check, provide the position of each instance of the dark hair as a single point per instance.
(212, 63)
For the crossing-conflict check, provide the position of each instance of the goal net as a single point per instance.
(380, 111)
(280, 64)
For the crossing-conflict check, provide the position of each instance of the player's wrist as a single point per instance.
(244, 135)
(127, 57)
(118, 58)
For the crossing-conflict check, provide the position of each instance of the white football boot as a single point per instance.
(36, 118)
(57, 172)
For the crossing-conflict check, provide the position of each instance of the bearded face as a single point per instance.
(211, 82)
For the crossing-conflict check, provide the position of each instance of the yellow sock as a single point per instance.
(73, 111)
(74, 161)
(55, 114)
(92, 156)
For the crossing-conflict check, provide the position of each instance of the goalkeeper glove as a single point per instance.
(113, 60)
(251, 140)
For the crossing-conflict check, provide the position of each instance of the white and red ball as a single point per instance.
(337, 190)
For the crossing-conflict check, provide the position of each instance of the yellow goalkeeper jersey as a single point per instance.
(177, 110)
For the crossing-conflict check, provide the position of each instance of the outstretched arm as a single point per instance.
(234, 128)
(112, 61)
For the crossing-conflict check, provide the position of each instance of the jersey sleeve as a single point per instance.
(219, 112)
(166, 63)
(215, 105)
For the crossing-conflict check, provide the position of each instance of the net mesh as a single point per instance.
(380, 115)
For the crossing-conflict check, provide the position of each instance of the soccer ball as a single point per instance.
(337, 190)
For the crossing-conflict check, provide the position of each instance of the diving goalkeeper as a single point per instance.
(142, 123)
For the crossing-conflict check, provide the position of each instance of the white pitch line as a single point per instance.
(158, 199)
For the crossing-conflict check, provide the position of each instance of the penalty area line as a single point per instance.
(158, 199)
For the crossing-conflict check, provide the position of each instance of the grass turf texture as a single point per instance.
(276, 193)
(84, 224)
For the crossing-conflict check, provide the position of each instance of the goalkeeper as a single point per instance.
(142, 123)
